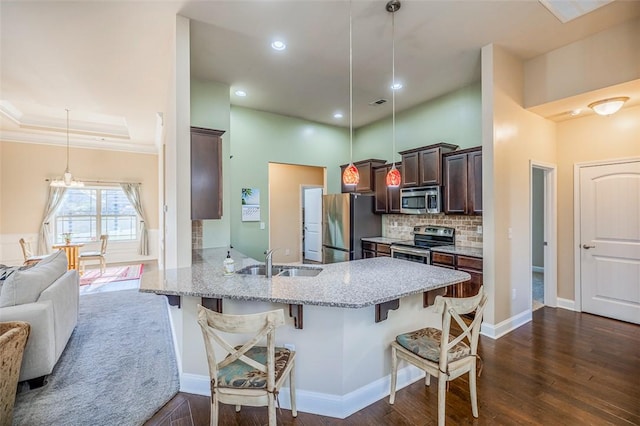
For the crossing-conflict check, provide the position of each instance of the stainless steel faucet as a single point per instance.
(268, 260)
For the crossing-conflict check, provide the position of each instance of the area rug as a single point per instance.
(118, 368)
(118, 273)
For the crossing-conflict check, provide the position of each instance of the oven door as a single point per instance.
(411, 254)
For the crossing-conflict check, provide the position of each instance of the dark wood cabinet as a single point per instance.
(365, 170)
(422, 166)
(469, 264)
(462, 180)
(472, 266)
(206, 173)
(387, 200)
(371, 249)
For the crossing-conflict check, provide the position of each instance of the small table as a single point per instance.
(71, 250)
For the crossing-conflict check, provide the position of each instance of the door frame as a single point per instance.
(302, 189)
(550, 231)
(577, 238)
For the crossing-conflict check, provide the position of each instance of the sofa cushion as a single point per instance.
(25, 286)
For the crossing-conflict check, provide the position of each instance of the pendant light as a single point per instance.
(393, 177)
(67, 179)
(350, 176)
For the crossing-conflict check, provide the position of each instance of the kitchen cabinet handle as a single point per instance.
(587, 247)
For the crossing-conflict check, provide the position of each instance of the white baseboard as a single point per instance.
(537, 269)
(566, 304)
(506, 326)
(324, 404)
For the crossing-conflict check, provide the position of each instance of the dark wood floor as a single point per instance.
(563, 368)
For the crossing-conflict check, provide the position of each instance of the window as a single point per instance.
(87, 213)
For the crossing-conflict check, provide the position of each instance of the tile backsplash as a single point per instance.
(401, 226)
(196, 234)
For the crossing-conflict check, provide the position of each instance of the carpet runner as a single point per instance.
(117, 273)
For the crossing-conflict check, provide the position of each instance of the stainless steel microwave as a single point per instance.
(420, 200)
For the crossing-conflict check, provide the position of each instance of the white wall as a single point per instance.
(177, 156)
(605, 59)
(591, 138)
(512, 137)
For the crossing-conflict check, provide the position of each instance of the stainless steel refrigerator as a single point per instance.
(346, 218)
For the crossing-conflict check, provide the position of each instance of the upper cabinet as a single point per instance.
(387, 200)
(462, 176)
(422, 166)
(206, 173)
(365, 170)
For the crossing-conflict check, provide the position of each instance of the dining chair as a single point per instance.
(445, 359)
(27, 253)
(249, 374)
(95, 255)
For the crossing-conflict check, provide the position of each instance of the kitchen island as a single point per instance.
(343, 359)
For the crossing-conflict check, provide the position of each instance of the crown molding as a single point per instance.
(79, 141)
(108, 127)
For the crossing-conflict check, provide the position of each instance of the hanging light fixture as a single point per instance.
(350, 176)
(393, 177)
(67, 179)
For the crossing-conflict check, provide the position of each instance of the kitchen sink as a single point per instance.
(280, 270)
(258, 270)
(300, 272)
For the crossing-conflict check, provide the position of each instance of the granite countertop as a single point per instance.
(381, 240)
(465, 251)
(352, 284)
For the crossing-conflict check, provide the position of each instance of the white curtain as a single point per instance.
(53, 202)
(132, 190)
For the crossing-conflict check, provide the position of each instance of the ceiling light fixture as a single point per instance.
(396, 86)
(393, 177)
(337, 115)
(278, 45)
(67, 180)
(241, 93)
(608, 106)
(350, 176)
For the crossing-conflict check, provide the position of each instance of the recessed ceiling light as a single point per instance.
(241, 93)
(338, 115)
(278, 45)
(396, 86)
(575, 112)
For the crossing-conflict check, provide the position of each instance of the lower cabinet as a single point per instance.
(370, 249)
(468, 264)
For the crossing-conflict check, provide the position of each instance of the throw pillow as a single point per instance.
(25, 286)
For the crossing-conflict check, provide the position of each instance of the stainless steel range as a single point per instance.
(424, 237)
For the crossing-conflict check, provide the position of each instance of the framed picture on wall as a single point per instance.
(250, 204)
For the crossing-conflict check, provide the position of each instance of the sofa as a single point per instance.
(45, 296)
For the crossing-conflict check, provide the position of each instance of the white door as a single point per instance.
(313, 224)
(610, 240)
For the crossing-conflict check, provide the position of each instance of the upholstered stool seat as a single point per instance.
(440, 353)
(426, 344)
(241, 375)
(251, 374)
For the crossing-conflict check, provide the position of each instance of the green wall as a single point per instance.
(452, 118)
(210, 109)
(262, 137)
